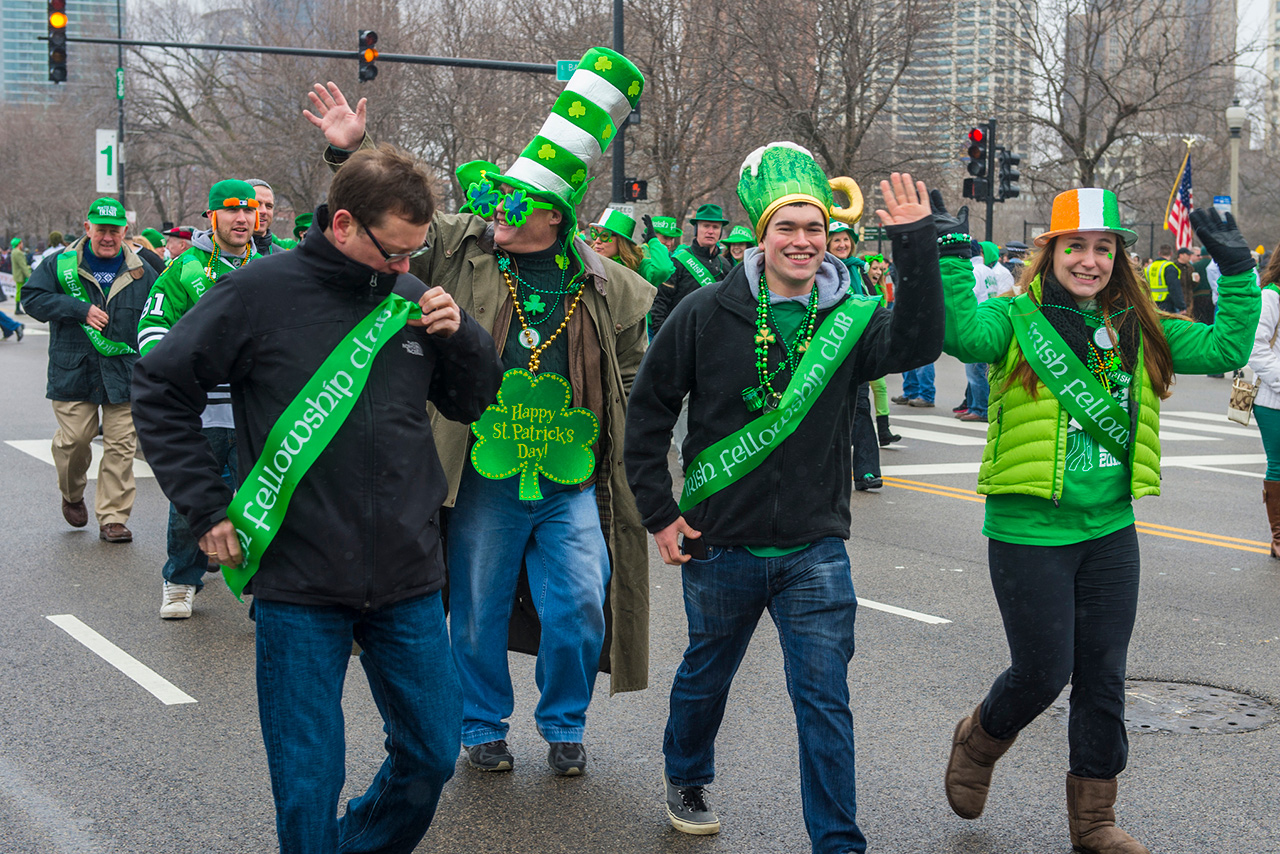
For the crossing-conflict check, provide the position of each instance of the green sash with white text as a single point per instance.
(1067, 378)
(69, 274)
(695, 267)
(304, 430)
(743, 451)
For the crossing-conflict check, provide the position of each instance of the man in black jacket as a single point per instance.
(771, 375)
(698, 264)
(358, 554)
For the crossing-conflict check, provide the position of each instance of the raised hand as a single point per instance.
(343, 127)
(946, 224)
(1223, 239)
(904, 201)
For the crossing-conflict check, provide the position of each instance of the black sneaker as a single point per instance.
(21, 328)
(567, 758)
(687, 808)
(490, 756)
(868, 481)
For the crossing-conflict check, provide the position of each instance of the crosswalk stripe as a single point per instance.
(42, 450)
(935, 436)
(161, 688)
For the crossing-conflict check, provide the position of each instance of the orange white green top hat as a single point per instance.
(1086, 209)
(617, 222)
(555, 166)
(783, 173)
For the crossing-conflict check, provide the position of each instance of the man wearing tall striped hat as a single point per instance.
(538, 480)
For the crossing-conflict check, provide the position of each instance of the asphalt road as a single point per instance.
(92, 762)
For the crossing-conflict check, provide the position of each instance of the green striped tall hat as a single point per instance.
(586, 116)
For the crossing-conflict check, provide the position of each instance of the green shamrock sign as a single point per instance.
(532, 430)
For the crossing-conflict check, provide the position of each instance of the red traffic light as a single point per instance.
(976, 135)
(368, 38)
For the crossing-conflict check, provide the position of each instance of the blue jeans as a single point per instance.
(918, 383)
(186, 563)
(810, 596)
(303, 652)
(979, 389)
(559, 539)
(8, 324)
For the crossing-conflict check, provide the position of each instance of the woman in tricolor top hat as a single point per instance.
(1080, 360)
(615, 237)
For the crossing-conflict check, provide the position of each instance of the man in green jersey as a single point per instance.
(226, 246)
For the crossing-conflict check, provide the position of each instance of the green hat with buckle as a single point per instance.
(301, 223)
(667, 226)
(231, 194)
(710, 213)
(107, 211)
(554, 167)
(740, 234)
(617, 222)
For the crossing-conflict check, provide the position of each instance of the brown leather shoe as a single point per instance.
(1092, 818)
(973, 757)
(114, 532)
(76, 514)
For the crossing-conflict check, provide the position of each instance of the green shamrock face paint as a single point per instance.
(1066, 251)
(1110, 255)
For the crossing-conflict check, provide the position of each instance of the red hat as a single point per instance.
(180, 233)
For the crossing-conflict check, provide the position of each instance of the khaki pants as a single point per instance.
(77, 427)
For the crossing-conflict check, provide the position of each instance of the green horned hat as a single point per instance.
(740, 234)
(667, 226)
(554, 167)
(783, 173)
(617, 222)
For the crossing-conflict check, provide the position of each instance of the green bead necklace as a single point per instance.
(535, 307)
(763, 396)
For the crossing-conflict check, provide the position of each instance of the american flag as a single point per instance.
(1178, 219)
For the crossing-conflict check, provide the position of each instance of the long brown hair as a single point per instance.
(1271, 275)
(629, 254)
(1123, 290)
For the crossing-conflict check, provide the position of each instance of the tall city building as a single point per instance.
(969, 66)
(1273, 74)
(24, 59)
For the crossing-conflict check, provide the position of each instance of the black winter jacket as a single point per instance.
(682, 283)
(363, 528)
(800, 493)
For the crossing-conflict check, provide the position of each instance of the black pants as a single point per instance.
(866, 445)
(1068, 613)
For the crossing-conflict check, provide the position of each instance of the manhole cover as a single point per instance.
(1176, 707)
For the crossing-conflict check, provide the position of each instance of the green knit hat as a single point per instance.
(990, 252)
(555, 166)
(783, 173)
(740, 234)
(231, 194)
(667, 226)
(301, 223)
(617, 222)
(107, 211)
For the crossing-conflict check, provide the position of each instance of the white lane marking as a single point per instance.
(1174, 436)
(163, 690)
(1258, 475)
(1213, 460)
(930, 468)
(1224, 428)
(935, 436)
(42, 450)
(903, 612)
(27, 330)
(942, 421)
(1201, 415)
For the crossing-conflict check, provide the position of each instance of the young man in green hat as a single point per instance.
(550, 495)
(698, 264)
(770, 358)
(91, 295)
(226, 246)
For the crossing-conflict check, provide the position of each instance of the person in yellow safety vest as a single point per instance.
(1164, 280)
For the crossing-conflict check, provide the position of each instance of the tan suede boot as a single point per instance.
(1271, 497)
(973, 756)
(1093, 820)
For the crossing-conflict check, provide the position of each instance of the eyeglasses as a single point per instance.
(393, 257)
(602, 235)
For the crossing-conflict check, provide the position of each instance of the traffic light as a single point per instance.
(977, 189)
(58, 41)
(368, 53)
(1009, 175)
(634, 190)
(979, 186)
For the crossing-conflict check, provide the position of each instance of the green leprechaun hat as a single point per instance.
(783, 173)
(554, 167)
(617, 222)
(740, 234)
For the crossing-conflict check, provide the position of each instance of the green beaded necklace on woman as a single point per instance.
(763, 395)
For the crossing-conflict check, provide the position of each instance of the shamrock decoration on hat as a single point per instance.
(552, 170)
(783, 173)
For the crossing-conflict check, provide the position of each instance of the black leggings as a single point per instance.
(1068, 614)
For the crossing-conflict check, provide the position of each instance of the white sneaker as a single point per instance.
(176, 604)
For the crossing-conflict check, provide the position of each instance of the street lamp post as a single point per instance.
(1235, 121)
